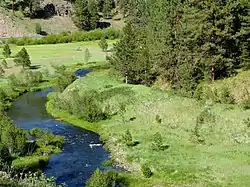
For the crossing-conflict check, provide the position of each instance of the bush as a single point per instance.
(146, 171)
(108, 33)
(157, 143)
(107, 163)
(127, 138)
(33, 163)
(38, 28)
(246, 103)
(102, 179)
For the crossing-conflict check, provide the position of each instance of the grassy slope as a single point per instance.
(220, 162)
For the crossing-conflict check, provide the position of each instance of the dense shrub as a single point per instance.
(146, 171)
(157, 143)
(109, 33)
(103, 179)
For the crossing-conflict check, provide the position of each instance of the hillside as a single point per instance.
(19, 25)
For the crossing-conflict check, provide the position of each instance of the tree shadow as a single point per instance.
(35, 67)
(103, 25)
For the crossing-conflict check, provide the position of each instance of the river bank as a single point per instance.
(150, 111)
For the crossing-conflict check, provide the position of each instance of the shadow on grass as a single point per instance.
(35, 66)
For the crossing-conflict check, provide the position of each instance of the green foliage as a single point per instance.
(1, 71)
(246, 103)
(4, 153)
(87, 55)
(93, 11)
(30, 162)
(6, 51)
(4, 63)
(26, 78)
(157, 143)
(97, 34)
(27, 180)
(102, 179)
(86, 14)
(146, 171)
(103, 44)
(128, 139)
(64, 77)
(158, 119)
(107, 163)
(22, 58)
(107, 7)
(183, 42)
(205, 119)
(38, 28)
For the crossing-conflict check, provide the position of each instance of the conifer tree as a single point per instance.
(6, 51)
(107, 7)
(93, 11)
(103, 44)
(87, 55)
(22, 58)
(82, 15)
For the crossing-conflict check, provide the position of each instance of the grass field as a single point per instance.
(220, 159)
(58, 54)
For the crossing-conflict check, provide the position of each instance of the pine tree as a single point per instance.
(22, 58)
(93, 10)
(87, 55)
(6, 51)
(82, 15)
(107, 7)
(103, 44)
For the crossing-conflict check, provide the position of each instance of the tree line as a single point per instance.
(183, 42)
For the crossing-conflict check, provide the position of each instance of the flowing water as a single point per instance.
(82, 152)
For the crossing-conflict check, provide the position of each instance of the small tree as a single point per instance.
(87, 55)
(4, 63)
(38, 28)
(146, 171)
(1, 71)
(103, 44)
(157, 143)
(128, 139)
(23, 58)
(6, 51)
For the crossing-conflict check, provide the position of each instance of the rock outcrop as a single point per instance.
(57, 7)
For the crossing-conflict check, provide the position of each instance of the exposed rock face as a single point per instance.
(57, 7)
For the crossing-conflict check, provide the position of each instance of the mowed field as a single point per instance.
(58, 54)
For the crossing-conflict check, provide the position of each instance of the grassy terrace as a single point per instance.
(221, 158)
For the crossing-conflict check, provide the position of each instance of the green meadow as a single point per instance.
(208, 142)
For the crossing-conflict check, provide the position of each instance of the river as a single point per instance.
(78, 159)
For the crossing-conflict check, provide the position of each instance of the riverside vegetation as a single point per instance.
(182, 119)
(196, 132)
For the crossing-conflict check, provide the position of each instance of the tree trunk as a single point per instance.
(12, 7)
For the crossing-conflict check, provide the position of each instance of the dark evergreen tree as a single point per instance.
(93, 11)
(22, 58)
(107, 7)
(82, 15)
(6, 51)
(103, 44)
